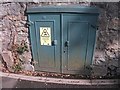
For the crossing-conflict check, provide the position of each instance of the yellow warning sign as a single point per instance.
(45, 36)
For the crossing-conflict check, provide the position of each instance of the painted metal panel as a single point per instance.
(63, 9)
(91, 44)
(76, 35)
(33, 41)
(48, 55)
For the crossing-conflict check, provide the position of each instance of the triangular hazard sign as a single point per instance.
(45, 33)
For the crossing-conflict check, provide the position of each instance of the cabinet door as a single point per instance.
(75, 36)
(47, 29)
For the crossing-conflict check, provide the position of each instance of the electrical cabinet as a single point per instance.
(63, 38)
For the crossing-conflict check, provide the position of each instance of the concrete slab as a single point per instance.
(17, 81)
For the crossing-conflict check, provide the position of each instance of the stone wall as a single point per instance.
(13, 30)
(107, 45)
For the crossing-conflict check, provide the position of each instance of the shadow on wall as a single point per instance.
(107, 47)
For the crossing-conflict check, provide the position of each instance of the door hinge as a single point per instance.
(95, 26)
(29, 23)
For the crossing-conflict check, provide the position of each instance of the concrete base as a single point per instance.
(14, 80)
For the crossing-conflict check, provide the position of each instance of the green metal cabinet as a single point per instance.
(63, 38)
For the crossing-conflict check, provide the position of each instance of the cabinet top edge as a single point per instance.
(63, 9)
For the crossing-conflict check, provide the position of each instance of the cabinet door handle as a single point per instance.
(67, 44)
(54, 42)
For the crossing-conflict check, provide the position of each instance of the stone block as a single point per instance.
(2, 10)
(28, 67)
(13, 9)
(7, 57)
(99, 70)
(0, 45)
(99, 58)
